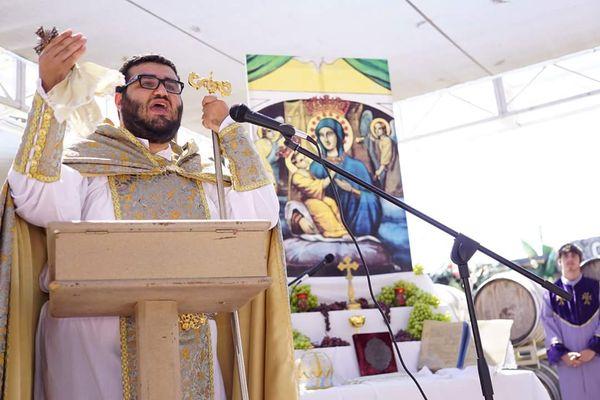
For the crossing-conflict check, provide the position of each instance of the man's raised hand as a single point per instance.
(214, 112)
(59, 56)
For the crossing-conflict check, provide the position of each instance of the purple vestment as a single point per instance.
(574, 326)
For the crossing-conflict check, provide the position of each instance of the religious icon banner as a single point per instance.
(345, 104)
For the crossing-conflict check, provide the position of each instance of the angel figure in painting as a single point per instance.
(384, 155)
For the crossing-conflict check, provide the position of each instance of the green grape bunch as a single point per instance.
(423, 297)
(423, 312)
(301, 341)
(418, 269)
(387, 295)
(410, 289)
(412, 293)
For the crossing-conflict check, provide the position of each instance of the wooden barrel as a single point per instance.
(508, 295)
(454, 299)
(591, 268)
(549, 378)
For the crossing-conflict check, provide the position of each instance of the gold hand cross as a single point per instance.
(211, 86)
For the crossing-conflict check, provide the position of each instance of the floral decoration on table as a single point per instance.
(302, 300)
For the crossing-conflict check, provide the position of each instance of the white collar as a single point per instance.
(565, 281)
(166, 153)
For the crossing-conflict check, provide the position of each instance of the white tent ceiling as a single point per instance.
(430, 44)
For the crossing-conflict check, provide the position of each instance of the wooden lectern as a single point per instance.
(155, 270)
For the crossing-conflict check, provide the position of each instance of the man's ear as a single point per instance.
(118, 100)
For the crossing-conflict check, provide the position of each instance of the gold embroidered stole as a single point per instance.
(115, 151)
(166, 196)
(145, 186)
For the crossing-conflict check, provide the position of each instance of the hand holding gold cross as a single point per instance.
(214, 111)
(58, 54)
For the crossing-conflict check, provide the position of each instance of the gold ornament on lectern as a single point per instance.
(211, 86)
(348, 265)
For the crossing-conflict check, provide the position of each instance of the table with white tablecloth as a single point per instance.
(446, 384)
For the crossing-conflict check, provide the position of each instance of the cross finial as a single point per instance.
(45, 36)
(348, 265)
(209, 84)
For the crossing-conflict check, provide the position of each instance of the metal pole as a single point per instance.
(235, 319)
(219, 173)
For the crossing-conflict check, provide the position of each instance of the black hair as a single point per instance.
(142, 59)
(570, 248)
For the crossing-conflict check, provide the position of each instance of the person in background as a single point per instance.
(572, 329)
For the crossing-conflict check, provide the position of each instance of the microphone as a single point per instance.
(326, 260)
(241, 113)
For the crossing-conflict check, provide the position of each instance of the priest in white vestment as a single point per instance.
(81, 358)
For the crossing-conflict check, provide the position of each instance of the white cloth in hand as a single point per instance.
(73, 98)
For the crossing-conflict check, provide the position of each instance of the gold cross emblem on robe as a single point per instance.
(587, 298)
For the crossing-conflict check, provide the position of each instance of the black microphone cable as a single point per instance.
(387, 323)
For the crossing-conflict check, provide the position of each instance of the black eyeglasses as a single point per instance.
(151, 82)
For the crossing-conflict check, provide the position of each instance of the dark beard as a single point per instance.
(160, 129)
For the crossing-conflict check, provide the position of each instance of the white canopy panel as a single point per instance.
(431, 44)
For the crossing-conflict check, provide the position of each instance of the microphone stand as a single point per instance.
(462, 251)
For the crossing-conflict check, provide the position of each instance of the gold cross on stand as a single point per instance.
(348, 265)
